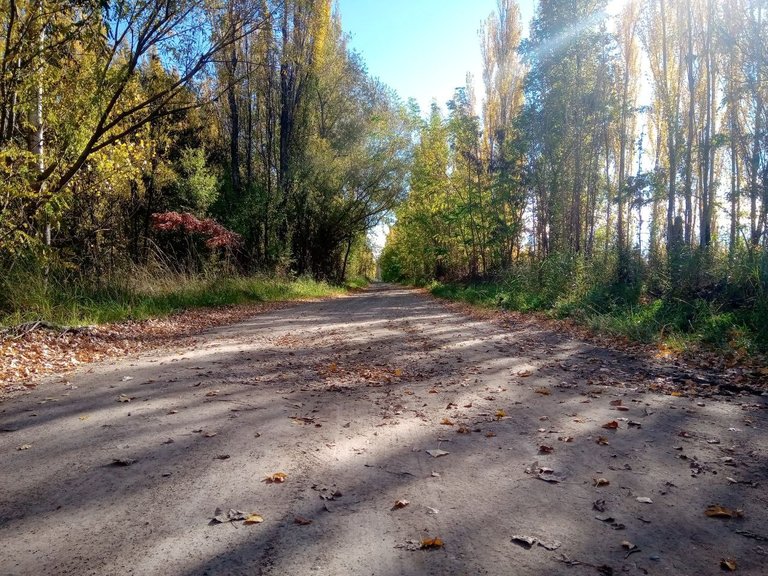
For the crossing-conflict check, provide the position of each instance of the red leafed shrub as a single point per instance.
(216, 236)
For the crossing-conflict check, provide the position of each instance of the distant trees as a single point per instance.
(639, 142)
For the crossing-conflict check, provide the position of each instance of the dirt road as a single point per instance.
(120, 468)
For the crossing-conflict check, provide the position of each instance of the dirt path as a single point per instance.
(119, 468)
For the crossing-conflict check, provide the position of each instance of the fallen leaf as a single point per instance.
(549, 475)
(550, 544)
(123, 461)
(398, 372)
(123, 398)
(24, 447)
(543, 391)
(544, 449)
(644, 500)
(627, 545)
(431, 543)
(212, 393)
(333, 367)
(526, 542)
(210, 434)
(276, 478)
(717, 511)
(728, 564)
(565, 438)
(599, 505)
(83, 417)
(400, 504)
(221, 457)
(616, 402)
(676, 394)
(500, 414)
(524, 373)
(463, 430)
(436, 453)
(301, 521)
(490, 434)
(253, 519)
(600, 482)
(219, 517)
(612, 425)
(447, 422)
(602, 440)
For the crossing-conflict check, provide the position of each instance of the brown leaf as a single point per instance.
(447, 422)
(400, 504)
(431, 543)
(728, 564)
(543, 391)
(301, 521)
(524, 373)
(212, 393)
(253, 519)
(276, 478)
(616, 402)
(602, 440)
(612, 425)
(500, 414)
(544, 449)
(627, 545)
(490, 434)
(717, 511)
(463, 430)
(599, 482)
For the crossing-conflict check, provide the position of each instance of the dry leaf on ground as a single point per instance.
(400, 504)
(431, 543)
(276, 478)
(612, 425)
(600, 482)
(728, 564)
(717, 511)
(253, 519)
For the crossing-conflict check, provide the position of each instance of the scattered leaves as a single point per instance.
(276, 478)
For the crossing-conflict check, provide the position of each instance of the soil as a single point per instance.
(411, 439)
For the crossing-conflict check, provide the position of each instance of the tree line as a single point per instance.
(130, 129)
(629, 152)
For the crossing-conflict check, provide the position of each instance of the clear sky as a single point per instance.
(421, 48)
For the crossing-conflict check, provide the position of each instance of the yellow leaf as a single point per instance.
(717, 511)
(276, 478)
(431, 543)
(398, 372)
(83, 417)
(728, 564)
(333, 367)
(447, 422)
(500, 414)
(543, 391)
(253, 519)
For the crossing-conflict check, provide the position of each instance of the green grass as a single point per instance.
(676, 323)
(143, 295)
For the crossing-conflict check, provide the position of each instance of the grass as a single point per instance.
(143, 295)
(677, 324)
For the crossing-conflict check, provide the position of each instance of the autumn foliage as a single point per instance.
(216, 235)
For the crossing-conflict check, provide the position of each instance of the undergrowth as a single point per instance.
(58, 298)
(727, 310)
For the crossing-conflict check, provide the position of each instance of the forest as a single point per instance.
(613, 169)
(617, 172)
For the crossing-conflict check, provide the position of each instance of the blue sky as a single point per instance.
(421, 48)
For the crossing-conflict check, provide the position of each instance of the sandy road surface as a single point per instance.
(346, 396)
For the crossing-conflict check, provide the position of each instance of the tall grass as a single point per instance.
(30, 294)
(714, 301)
